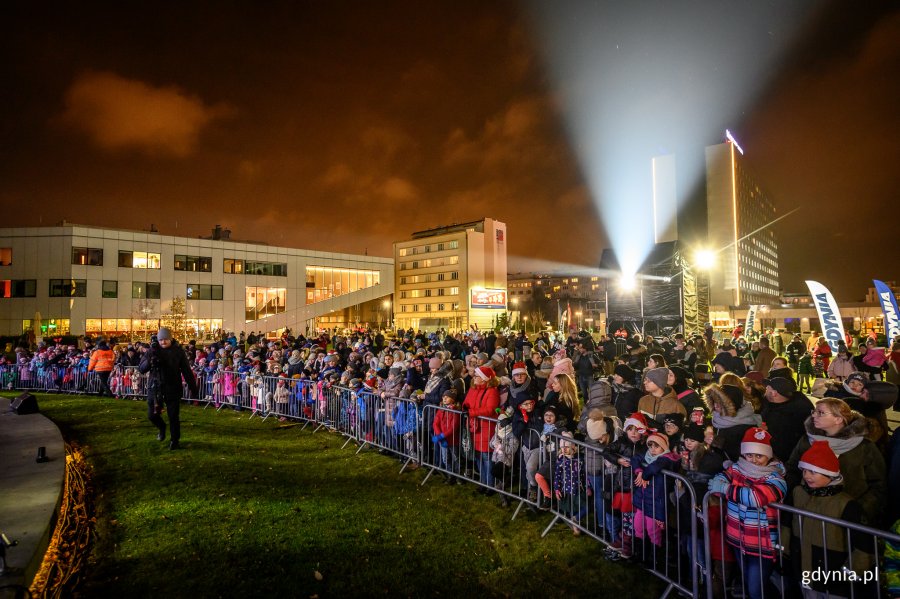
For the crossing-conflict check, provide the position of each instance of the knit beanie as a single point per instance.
(519, 368)
(695, 433)
(660, 439)
(782, 386)
(596, 425)
(757, 440)
(163, 334)
(626, 372)
(658, 376)
(822, 459)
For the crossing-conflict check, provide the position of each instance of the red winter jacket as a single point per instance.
(482, 401)
(446, 422)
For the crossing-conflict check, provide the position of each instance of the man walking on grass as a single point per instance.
(167, 364)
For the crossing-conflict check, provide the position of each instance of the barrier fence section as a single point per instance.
(479, 452)
(656, 521)
(595, 492)
(806, 552)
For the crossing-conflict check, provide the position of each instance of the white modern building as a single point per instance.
(75, 279)
(451, 277)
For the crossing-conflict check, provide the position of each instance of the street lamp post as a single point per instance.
(525, 318)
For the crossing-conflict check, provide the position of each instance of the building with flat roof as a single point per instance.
(737, 210)
(80, 279)
(451, 277)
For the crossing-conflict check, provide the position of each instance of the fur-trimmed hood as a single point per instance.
(713, 394)
(857, 427)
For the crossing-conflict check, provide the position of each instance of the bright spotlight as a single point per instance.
(704, 259)
(627, 282)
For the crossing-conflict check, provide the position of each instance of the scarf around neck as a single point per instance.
(838, 445)
(758, 472)
(515, 389)
(745, 415)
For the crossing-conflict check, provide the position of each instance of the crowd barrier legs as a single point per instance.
(680, 540)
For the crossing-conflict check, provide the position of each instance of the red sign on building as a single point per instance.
(489, 298)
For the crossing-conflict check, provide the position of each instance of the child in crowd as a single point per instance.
(567, 485)
(749, 487)
(528, 425)
(447, 433)
(600, 432)
(672, 425)
(822, 492)
(282, 394)
(504, 445)
(805, 372)
(701, 460)
(549, 434)
(650, 492)
(618, 455)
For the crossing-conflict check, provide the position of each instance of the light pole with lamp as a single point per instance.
(387, 308)
(525, 318)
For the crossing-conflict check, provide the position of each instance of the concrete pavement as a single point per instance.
(30, 493)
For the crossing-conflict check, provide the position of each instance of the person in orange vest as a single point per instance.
(102, 361)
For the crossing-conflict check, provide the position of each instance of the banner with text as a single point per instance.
(889, 307)
(751, 319)
(829, 315)
(489, 298)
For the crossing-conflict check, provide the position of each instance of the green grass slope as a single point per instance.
(257, 509)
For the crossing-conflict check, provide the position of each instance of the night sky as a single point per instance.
(345, 126)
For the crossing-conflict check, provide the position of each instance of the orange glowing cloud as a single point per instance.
(118, 113)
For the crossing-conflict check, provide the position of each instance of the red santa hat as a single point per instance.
(638, 420)
(757, 440)
(519, 368)
(822, 459)
(485, 372)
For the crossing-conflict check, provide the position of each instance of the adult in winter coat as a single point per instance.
(763, 361)
(437, 383)
(731, 416)
(521, 387)
(102, 361)
(842, 366)
(865, 474)
(481, 402)
(784, 410)
(625, 395)
(661, 398)
(167, 365)
(599, 400)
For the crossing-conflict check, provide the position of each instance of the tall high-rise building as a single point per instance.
(738, 210)
(451, 277)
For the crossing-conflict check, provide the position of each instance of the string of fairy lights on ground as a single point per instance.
(68, 550)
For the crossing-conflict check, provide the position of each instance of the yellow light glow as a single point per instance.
(737, 269)
(704, 259)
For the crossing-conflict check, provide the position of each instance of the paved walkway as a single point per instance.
(30, 493)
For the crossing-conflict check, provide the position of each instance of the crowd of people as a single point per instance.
(730, 415)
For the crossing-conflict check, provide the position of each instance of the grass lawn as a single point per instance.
(252, 508)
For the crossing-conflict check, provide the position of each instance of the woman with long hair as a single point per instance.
(564, 396)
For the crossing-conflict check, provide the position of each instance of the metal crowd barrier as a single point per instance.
(588, 490)
(453, 455)
(813, 554)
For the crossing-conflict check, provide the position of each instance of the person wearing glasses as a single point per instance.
(863, 467)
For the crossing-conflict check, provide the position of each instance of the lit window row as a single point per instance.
(324, 283)
(424, 249)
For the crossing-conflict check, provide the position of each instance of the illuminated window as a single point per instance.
(68, 288)
(139, 260)
(452, 245)
(5, 256)
(144, 290)
(20, 288)
(233, 266)
(453, 291)
(453, 260)
(272, 269)
(87, 256)
(262, 302)
(323, 283)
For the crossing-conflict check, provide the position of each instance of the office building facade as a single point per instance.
(738, 210)
(451, 277)
(74, 279)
